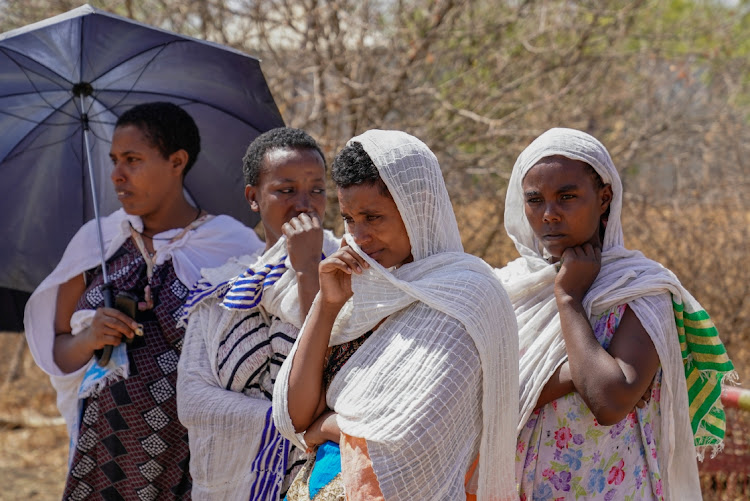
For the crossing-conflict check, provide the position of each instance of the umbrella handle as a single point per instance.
(105, 353)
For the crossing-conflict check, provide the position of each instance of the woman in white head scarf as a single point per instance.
(435, 383)
(599, 324)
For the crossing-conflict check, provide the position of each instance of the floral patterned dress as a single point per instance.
(563, 453)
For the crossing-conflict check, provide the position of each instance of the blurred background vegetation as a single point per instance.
(664, 84)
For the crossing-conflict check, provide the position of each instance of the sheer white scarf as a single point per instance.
(388, 391)
(626, 276)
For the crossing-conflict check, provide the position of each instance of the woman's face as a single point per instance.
(145, 181)
(563, 204)
(374, 221)
(292, 181)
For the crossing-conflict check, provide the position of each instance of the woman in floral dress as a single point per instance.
(620, 368)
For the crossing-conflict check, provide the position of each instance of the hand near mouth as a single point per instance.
(579, 267)
(336, 275)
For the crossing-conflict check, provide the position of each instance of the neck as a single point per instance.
(176, 215)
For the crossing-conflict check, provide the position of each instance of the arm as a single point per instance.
(304, 236)
(610, 382)
(324, 429)
(306, 375)
(108, 326)
(559, 384)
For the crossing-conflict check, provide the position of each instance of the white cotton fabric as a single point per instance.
(207, 245)
(626, 277)
(407, 390)
(225, 426)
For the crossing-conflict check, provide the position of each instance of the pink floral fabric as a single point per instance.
(563, 453)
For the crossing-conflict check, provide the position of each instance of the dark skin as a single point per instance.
(291, 199)
(374, 221)
(564, 207)
(148, 185)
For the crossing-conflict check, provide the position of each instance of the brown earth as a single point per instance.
(33, 439)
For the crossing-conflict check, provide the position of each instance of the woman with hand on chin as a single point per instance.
(407, 359)
(243, 319)
(613, 405)
(126, 441)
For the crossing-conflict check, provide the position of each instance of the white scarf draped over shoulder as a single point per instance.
(626, 277)
(388, 391)
(208, 245)
(233, 334)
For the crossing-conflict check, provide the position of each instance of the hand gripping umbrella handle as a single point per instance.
(105, 353)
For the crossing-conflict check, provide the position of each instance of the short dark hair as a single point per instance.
(279, 138)
(167, 127)
(353, 166)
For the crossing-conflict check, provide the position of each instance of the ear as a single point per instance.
(179, 160)
(251, 193)
(605, 195)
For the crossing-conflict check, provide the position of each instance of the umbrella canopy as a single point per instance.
(81, 70)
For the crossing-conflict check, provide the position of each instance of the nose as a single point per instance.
(361, 234)
(302, 203)
(551, 213)
(117, 174)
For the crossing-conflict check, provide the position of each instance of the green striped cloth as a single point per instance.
(706, 364)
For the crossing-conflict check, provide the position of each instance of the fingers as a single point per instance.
(113, 323)
(346, 260)
(302, 223)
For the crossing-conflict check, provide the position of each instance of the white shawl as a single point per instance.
(402, 389)
(210, 244)
(226, 428)
(625, 277)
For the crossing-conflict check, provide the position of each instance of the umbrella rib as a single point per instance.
(11, 154)
(27, 72)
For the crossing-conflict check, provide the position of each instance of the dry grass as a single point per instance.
(33, 458)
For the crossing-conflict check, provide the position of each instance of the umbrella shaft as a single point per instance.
(94, 194)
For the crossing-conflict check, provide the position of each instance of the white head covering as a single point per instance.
(394, 389)
(625, 277)
(572, 144)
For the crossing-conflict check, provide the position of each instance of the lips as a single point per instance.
(373, 254)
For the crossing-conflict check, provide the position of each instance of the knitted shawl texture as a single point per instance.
(404, 390)
(226, 372)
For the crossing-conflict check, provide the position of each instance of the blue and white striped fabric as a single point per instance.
(270, 463)
(247, 290)
(239, 292)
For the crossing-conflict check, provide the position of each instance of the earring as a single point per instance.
(254, 205)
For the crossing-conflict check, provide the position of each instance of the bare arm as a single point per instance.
(559, 384)
(306, 376)
(325, 428)
(108, 326)
(610, 382)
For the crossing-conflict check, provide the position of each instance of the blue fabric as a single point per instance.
(327, 466)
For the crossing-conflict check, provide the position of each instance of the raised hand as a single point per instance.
(304, 235)
(335, 273)
(579, 267)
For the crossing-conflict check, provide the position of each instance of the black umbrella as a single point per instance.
(65, 81)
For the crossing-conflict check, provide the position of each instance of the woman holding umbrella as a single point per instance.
(126, 441)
